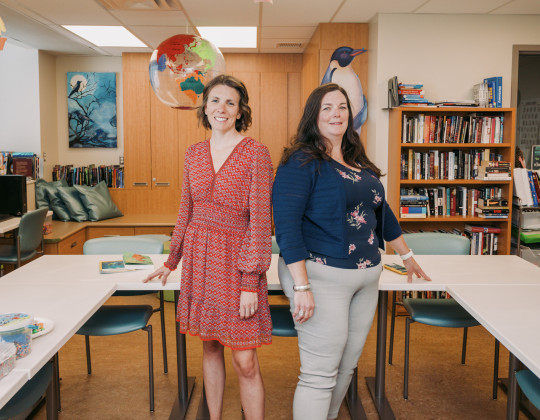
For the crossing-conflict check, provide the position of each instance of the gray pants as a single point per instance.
(332, 340)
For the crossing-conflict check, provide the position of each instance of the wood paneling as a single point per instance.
(189, 132)
(157, 230)
(274, 112)
(137, 147)
(294, 103)
(252, 80)
(100, 232)
(164, 140)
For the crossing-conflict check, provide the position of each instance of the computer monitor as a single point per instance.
(13, 195)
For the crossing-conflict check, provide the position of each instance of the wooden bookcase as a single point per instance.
(396, 148)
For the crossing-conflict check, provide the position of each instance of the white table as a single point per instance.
(445, 271)
(66, 304)
(511, 313)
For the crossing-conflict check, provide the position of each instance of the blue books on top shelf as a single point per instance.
(495, 91)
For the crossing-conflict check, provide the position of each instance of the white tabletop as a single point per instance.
(68, 305)
(10, 224)
(511, 313)
(447, 270)
(10, 384)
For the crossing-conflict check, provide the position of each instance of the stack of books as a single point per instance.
(527, 186)
(494, 170)
(484, 239)
(413, 206)
(494, 85)
(493, 208)
(412, 94)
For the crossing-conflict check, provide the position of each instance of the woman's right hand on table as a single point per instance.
(304, 305)
(161, 273)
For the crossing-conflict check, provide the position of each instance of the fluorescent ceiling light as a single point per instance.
(106, 36)
(230, 36)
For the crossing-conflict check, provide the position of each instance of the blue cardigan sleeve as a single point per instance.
(391, 227)
(290, 197)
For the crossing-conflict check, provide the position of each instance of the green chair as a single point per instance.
(530, 386)
(31, 392)
(121, 319)
(435, 312)
(29, 237)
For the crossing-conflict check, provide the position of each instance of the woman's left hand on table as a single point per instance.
(249, 304)
(413, 268)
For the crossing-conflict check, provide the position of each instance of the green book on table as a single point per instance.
(134, 261)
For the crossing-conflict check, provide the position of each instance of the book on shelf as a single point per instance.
(495, 91)
(136, 261)
(527, 186)
(90, 175)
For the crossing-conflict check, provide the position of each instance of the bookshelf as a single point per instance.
(398, 148)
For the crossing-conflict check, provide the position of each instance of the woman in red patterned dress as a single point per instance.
(223, 235)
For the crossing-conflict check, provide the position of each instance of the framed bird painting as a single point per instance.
(91, 101)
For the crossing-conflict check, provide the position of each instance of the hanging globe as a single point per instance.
(181, 66)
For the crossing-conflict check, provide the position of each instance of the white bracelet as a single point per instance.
(407, 255)
(302, 288)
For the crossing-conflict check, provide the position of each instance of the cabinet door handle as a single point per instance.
(74, 244)
(163, 184)
(140, 184)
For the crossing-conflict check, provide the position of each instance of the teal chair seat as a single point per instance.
(439, 313)
(117, 319)
(8, 254)
(282, 321)
(29, 394)
(530, 386)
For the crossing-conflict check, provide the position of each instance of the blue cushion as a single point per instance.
(29, 394)
(530, 385)
(282, 321)
(439, 313)
(117, 319)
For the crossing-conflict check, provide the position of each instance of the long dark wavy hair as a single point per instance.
(242, 123)
(309, 139)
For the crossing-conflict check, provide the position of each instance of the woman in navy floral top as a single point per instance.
(331, 219)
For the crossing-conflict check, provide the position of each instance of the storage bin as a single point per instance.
(8, 353)
(14, 329)
(531, 254)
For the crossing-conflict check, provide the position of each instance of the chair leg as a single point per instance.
(392, 326)
(496, 369)
(163, 336)
(56, 379)
(464, 346)
(408, 322)
(148, 329)
(88, 360)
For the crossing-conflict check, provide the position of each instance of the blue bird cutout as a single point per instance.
(75, 89)
(340, 71)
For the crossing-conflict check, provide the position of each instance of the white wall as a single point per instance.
(447, 53)
(82, 157)
(19, 99)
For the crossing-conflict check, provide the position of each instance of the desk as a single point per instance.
(445, 271)
(511, 313)
(9, 225)
(63, 303)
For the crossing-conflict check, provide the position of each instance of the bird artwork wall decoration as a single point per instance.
(340, 71)
(91, 101)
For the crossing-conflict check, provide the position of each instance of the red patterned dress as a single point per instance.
(223, 235)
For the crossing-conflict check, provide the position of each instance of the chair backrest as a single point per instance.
(275, 246)
(31, 229)
(435, 243)
(121, 244)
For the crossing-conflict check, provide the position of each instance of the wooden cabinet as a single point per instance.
(71, 245)
(398, 148)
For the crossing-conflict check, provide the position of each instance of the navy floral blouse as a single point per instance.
(363, 192)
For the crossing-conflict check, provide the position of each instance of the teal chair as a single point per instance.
(121, 319)
(31, 392)
(435, 312)
(29, 238)
(530, 386)
(282, 320)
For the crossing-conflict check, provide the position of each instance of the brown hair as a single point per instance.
(242, 123)
(309, 139)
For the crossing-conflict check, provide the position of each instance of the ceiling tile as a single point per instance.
(157, 18)
(155, 35)
(364, 11)
(519, 7)
(460, 6)
(298, 12)
(68, 12)
(222, 13)
(287, 31)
